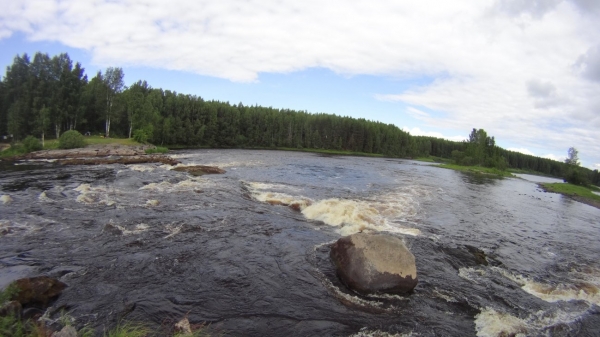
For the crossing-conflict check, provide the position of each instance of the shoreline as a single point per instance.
(578, 198)
(98, 154)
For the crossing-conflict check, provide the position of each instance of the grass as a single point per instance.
(433, 159)
(573, 190)
(477, 170)
(91, 140)
(158, 149)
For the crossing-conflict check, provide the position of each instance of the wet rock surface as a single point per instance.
(97, 150)
(199, 170)
(37, 290)
(100, 155)
(142, 159)
(373, 263)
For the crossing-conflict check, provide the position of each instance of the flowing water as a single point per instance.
(247, 252)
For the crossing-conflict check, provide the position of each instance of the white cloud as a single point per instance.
(521, 150)
(555, 157)
(418, 132)
(523, 70)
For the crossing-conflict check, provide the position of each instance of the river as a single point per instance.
(146, 243)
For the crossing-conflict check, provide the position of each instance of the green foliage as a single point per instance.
(140, 136)
(12, 326)
(71, 139)
(128, 330)
(576, 177)
(572, 157)
(157, 149)
(572, 190)
(15, 150)
(30, 143)
(52, 94)
(478, 170)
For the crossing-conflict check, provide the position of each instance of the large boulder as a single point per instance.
(37, 290)
(374, 263)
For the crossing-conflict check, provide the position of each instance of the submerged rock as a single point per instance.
(199, 170)
(67, 331)
(183, 328)
(38, 290)
(12, 308)
(374, 263)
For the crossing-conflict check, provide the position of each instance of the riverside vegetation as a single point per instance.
(49, 95)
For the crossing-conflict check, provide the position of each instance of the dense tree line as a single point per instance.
(50, 95)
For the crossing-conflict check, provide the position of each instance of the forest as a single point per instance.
(46, 96)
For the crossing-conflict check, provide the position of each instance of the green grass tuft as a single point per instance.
(128, 330)
(477, 170)
(572, 190)
(158, 149)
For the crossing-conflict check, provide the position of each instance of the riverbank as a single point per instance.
(108, 152)
(578, 193)
(478, 170)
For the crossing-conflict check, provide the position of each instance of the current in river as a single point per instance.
(247, 252)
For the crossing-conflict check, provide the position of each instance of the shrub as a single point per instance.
(576, 177)
(70, 140)
(30, 143)
(140, 136)
(157, 149)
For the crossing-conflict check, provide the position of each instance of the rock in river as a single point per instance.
(41, 289)
(374, 263)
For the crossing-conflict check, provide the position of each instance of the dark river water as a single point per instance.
(146, 243)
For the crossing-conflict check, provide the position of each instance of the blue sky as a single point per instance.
(528, 72)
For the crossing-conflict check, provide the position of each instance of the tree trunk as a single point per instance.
(43, 139)
(57, 128)
(130, 128)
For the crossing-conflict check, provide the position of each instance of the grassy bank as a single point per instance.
(52, 144)
(478, 170)
(433, 159)
(576, 192)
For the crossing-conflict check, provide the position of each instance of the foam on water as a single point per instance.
(378, 333)
(141, 168)
(491, 323)
(137, 229)
(44, 197)
(93, 195)
(173, 230)
(190, 185)
(6, 199)
(583, 286)
(380, 213)
(152, 202)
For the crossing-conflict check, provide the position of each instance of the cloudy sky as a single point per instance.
(526, 71)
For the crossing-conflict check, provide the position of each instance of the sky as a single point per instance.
(526, 71)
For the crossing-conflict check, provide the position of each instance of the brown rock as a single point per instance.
(199, 170)
(40, 290)
(67, 331)
(12, 308)
(374, 263)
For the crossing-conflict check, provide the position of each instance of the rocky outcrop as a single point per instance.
(12, 308)
(98, 150)
(37, 290)
(67, 331)
(120, 160)
(199, 170)
(374, 263)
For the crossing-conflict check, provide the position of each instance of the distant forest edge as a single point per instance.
(49, 95)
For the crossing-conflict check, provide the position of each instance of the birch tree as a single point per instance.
(113, 80)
